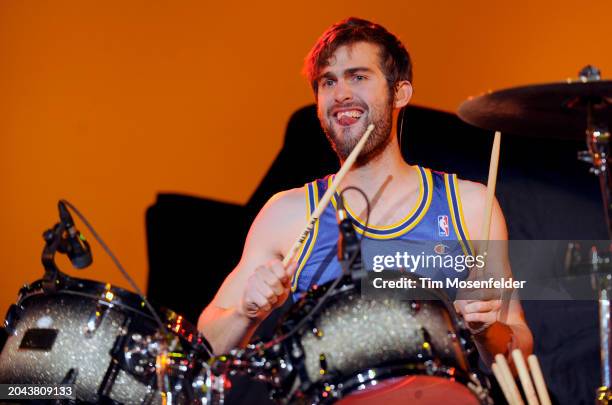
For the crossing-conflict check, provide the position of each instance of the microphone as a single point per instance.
(348, 242)
(76, 247)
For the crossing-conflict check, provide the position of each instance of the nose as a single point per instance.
(342, 92)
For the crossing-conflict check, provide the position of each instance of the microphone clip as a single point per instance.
(73, 243)
(63, 238)
(349, 245)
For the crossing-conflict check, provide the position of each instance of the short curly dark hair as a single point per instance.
(395, 59)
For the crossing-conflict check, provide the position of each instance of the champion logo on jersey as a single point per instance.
(441, 249)
(443, 229)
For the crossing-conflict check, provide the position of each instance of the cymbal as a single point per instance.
(547, 110)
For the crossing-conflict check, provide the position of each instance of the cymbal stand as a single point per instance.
(598, 143)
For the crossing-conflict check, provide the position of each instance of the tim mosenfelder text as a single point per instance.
(491, 283)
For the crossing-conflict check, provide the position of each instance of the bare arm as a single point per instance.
(498, 325)
(259, 283)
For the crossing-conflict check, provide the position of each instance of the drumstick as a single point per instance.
(538, 378)
(502, 382)
(489, 200)
(507, 376)
(491, 184)
(521, 367)
(328, 195)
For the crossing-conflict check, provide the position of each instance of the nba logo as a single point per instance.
(443, 229)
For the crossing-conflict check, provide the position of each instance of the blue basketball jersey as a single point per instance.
(434, 225)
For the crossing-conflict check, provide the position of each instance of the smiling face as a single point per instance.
(352, 93)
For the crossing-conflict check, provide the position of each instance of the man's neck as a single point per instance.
(370, 176)
(388, 181)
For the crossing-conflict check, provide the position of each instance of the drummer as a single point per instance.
(360, 74)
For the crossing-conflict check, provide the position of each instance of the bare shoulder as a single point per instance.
(473, 197)
(279, 222)
(286, 201)
(284, 209)
(472, 193)
(271, 235)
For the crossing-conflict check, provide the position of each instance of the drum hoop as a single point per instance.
(86, 288)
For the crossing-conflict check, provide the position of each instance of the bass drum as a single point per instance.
(358, 350)
(100, 338)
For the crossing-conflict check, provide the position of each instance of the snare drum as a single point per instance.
(358, 350)
(101, 339)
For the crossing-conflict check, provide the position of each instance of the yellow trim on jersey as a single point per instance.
(462, 222)
(315, 231)
(452, 212)
(407, 217)
(414, 223)
(308, 213)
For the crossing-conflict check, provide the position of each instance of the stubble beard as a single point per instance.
(344, 141)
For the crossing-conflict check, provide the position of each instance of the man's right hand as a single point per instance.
(267, 289)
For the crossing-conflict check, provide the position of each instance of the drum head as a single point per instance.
(422, 390)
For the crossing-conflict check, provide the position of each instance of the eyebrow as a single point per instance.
(347, 72)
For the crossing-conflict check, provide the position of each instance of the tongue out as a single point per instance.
(346, 120)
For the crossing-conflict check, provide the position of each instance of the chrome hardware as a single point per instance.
(95, 319)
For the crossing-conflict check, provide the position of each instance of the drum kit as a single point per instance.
(113, 347)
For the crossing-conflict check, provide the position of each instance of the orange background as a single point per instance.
(108, 103)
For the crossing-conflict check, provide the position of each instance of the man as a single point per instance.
(360, 74)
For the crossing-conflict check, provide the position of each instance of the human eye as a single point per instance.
(326, 82)
(359, 78)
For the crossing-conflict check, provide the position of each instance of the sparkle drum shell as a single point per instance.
(363, 350)
(92, 335)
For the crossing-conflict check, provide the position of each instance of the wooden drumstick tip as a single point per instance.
(524, 378)
(538, 378)
(502, 382)
(491, 185)
(504, 368)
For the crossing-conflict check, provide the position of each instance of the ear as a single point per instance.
(403, 93)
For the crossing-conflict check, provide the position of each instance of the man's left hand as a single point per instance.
(478, 315)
